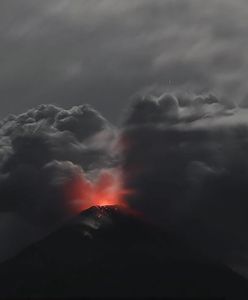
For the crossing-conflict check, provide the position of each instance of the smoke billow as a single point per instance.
(41, 152)
(186, 156)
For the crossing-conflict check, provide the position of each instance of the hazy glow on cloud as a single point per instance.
(191, 150)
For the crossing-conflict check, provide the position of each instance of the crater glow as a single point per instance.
(106, 190)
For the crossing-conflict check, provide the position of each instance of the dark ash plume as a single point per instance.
(41, 151)
(187, 159)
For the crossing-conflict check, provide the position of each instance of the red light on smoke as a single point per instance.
(106, 190)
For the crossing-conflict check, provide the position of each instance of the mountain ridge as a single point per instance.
(106, 251)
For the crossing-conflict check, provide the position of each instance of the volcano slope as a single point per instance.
(106, 251)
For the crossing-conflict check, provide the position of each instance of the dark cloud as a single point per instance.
(169, 109)
(42, 152)
(48, 133)
(186, 154)
(186, 157)
(102, 52)
(78, 118)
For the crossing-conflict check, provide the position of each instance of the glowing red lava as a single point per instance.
(106, 190)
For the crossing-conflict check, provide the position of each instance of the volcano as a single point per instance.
(108, 251)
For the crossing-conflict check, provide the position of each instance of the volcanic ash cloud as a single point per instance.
(44, 149)
(186, 157)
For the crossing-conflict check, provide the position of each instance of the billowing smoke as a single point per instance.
(186, 156)
(41, 153)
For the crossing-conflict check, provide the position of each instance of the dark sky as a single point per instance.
(102, 52)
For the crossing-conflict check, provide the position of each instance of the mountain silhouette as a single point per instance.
(108, 251)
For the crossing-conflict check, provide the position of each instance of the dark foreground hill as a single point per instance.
(108, 252)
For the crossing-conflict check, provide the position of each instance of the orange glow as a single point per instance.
(106, 190)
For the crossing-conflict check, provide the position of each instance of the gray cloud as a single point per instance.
(69, 52)
(184, 155)
(44, 151)
(186, 158)
(102, 52)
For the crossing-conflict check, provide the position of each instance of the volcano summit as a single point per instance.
(107, 251)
